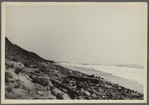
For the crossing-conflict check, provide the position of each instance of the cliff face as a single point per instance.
(18, 54)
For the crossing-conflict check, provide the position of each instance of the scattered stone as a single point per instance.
(88, 98)
(18, 65)
(41, 80)
(18, 70)
(64, 90)
(60, 96)
(86, 93)
(81, 91)
(8, 77)
(93, 96)
(9, 63)
(37, 71)
(48, 88)
(54, 92)
(80, 98)
(40, 93)
(8, 74)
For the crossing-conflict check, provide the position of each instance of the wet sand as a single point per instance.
(133, 85)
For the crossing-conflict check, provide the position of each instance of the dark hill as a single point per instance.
(18, 54)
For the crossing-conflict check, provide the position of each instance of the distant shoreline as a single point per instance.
(109, 77)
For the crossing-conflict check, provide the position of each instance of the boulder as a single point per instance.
(41, 80)
(47, 88)
(37, 71)
(93, 96)
(80, 98)
(88, 98)
(81, 91)
(64, 90)
(119, 88)
(9, 63)
(60, 96)
(58, 75)
(32, 76)
(86, 93)
(134, 95)
(40, 93)
(54, 92)
(18, 70)
(18, 65)
(26, 64)
(8, 74)
(8, 77)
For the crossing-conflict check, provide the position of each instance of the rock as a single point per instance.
(55, 71)
(18, 65)
(60, 96)
(92, 91)
(58, 75)
(47, 88)
(80, 98)
(41, 80)
(86, 93)
(91, 76)
(69, 71)
(81, 91)
(40, 93)
(100, 89)
(64, 90)
(98, 93)
(8, 77)
(50, 84)
(8, 74)
(9, 63)
(9, 88)
(52, 88)
(32, 76)
(93, 96)
(103, 96)
(65, 80)
(26, 64)
(18, 70)
(37, 71)
(54, 92)
(134, 95)
(119, 88)
(88, 98)
(53, 67)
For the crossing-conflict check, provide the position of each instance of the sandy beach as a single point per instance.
(130, 84)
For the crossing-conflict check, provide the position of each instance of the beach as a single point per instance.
(131, 78)
(28, 76)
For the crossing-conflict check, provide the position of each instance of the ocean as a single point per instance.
(130, 72)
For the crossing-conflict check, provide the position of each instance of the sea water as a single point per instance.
(133, 73)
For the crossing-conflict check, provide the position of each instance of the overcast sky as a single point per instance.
(91, 33)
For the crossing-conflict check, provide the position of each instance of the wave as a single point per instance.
(130, 72)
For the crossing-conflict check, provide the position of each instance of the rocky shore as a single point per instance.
(49, 81)
(27, 76)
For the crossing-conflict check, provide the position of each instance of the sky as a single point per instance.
(109, 33)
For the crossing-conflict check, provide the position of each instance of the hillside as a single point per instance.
(18, 54)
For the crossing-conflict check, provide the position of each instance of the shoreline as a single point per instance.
(130, 84)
